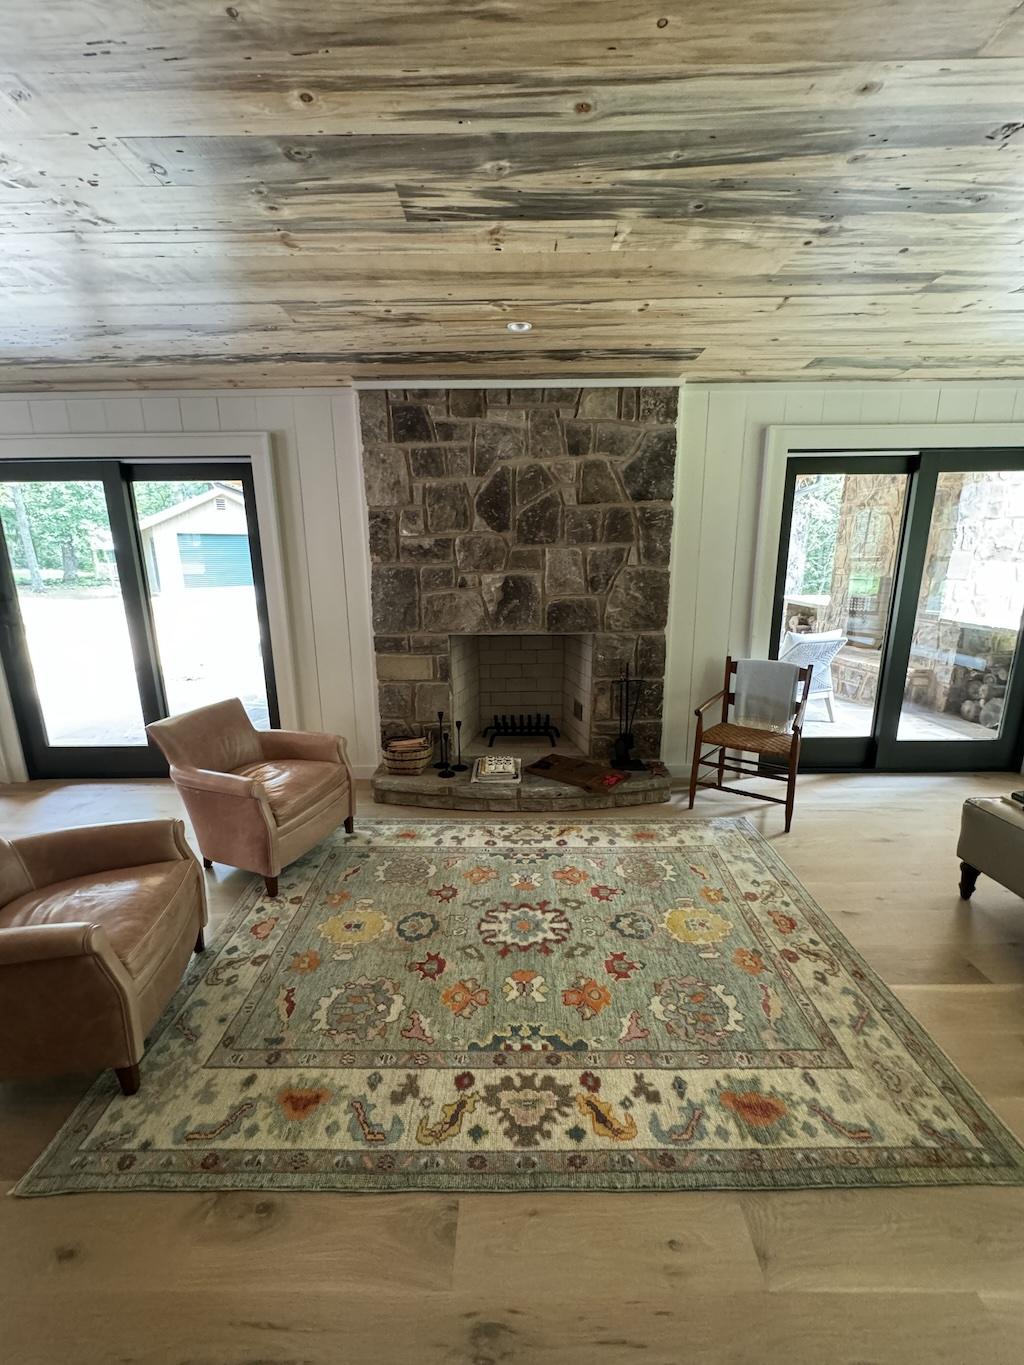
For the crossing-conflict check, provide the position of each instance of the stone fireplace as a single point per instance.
(520, 546)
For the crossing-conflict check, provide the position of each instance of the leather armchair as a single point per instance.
(258, 799)
(97, 925)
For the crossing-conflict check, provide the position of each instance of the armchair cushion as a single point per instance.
(296, 784)
(134, 906)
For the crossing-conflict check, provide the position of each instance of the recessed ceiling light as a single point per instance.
(519, 326)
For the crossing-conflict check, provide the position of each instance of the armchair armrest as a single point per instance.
(62, 854)
(218, 784)
(699, 712)
(47, 942)
(316, 745)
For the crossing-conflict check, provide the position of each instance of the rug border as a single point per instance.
(369, 1182)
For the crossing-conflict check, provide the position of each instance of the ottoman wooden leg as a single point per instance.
(968, 880)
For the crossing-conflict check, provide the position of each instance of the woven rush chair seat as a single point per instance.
(747, 737)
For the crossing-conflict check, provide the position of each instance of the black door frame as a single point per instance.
(881, 750)
(42, 759)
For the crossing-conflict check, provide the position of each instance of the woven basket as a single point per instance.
(408, 762)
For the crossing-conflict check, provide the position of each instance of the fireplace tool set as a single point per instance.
(445, 767)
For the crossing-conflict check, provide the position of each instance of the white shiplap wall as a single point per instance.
(322, 520)
(718, 488)
(322, 514)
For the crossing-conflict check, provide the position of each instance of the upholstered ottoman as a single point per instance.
(991, 841)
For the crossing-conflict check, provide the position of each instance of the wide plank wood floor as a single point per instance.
(859, 1277)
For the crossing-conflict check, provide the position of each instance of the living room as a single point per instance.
(511, 578)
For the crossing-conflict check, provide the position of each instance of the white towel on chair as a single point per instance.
(765, 692)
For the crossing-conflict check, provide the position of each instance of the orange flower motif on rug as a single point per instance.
(755, 1109)
(464, 998)
(587, 996)
(571, 876)
(749, 960)
(783, 922)
(298, 1104)
(307, 961)
(477, 876)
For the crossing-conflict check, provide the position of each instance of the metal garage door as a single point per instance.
(215, 560)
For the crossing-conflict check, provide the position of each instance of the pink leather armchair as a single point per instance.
(258, 799)
(97, 925)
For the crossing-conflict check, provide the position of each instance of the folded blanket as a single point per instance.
(765, 692)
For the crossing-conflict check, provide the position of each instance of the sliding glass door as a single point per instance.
(901, 579)
(128, 592)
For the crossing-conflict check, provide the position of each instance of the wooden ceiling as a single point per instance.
(283, 191)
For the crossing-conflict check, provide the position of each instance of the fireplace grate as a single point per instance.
(519, 727)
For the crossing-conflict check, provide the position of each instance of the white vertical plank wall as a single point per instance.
(322, 514)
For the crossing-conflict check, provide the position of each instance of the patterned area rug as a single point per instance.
(505, 1007)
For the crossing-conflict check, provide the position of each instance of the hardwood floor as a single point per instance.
(890, 1277)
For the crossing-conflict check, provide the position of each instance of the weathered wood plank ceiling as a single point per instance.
(295, 192)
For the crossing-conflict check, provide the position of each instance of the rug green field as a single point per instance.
(615, 1006)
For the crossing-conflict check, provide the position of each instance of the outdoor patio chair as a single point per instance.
(817, 651)
(771, 745)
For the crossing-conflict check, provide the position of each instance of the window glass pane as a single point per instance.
(195, 549)
(969, 611)
(840, 566)
(61, 552)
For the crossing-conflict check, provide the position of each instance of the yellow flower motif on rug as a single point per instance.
(358, 926)
(688, 924)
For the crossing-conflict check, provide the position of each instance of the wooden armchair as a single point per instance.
(769, 744)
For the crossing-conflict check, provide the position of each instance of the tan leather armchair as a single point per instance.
(258, 799)
(97, 925)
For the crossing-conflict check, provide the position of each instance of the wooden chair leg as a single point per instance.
(129, 1078)
(794, 759)
(271, 886)
(207, 863)
(350, 824)
(721, 766)
(695, 768)
(968, 880)
(200, 943)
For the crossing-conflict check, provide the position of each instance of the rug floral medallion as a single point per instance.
(505, 1006)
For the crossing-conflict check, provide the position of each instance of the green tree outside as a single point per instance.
(51, 527)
